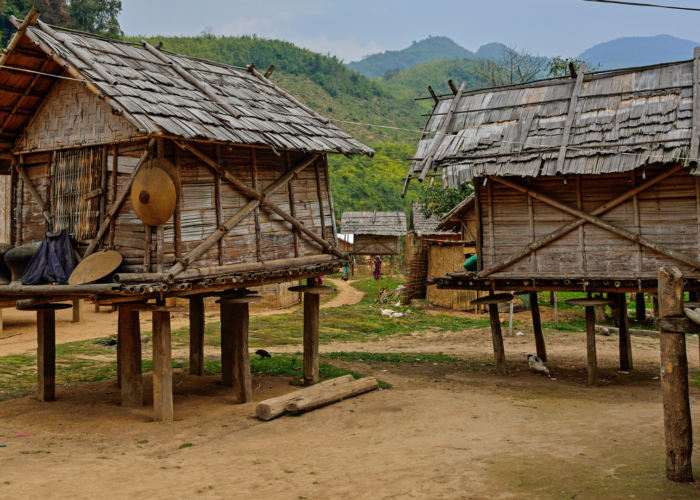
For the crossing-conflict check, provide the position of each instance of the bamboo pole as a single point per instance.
(148, 251)
(113, 195)
(219, 206)
(293, 208)
(178, 211)
(160, 248)
(581, 236)
(492, 236)
(678, 426)
(531, 221)
(29, 20)
(319, 194)
(120, 199)
(256, 212)
(637, 223)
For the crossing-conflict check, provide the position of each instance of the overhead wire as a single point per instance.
(638, 4)
(12, 68)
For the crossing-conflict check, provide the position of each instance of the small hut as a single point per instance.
(375, 233)
(583, 184)
(243, 198)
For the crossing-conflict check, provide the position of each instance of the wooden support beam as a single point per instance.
(637, 223)
(37, 199)
(46, 354)
(20, 207)
(694, 152)
(499, 353)
(311, 331)
(256, 212)
(593, 219)
(531, 222)
(437, 140)
(113, 191)
(234, 327)
(626, 362)
(293, 208)
(102, 190)
(570, 118)
(592, 356)
(29, 20)
(120, 198)
(678, 426)
(581, 236)
(492, 236)
(219, 205)
(160, 248)
(537, 327)
(479, 240)
(319, 195)
(177, 221)
(77, 311)
(129, 357)
(197, 324)
(148, 250)
(327, 175)
(27, 90)
(162, 368)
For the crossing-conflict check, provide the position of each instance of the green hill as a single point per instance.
(416, 80)
(639, 51)
(430, 49)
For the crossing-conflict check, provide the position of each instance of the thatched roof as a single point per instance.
(425, 227)
(451, 219)
(163, 93)
(623, 119)
(378, 223)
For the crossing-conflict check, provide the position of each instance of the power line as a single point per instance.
(637, 4)
(378, 126)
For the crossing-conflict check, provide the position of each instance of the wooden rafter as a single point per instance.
(593, 219)
(23, 175)
(570, 118)
(568, 227)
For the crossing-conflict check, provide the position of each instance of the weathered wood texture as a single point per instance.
(678, 425)
(370, 244)
(667, 215)
(162, 368)
(497, 338)
(196, 336)
(311, 331)
(46, 355)
(443, 259)
(130, 357)
(332, 394)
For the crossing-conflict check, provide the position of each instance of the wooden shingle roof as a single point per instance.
(619, 121)
(377, 223)
(168, 94)
(425, 227)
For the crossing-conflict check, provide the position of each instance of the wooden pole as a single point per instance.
(479, 228)
(103, 187)
(197, 324)
(148, 250)
(391, 266)
(292, 205)
(178, 210)
(234, 326)
(160, 248)
(510, 318)
(77, 311)
(46, 354)
(497, 337)
(256, 212)
(537, 327)
(113, 190)
(162, 368)
(556, 311)
(219, 205)
(641, 307)
(311, 327)
(625, 338)
(678, 427)
(129, 346)
(590, 346)
(319, 195)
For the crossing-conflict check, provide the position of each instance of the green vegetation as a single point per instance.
(430, 49)
(436, 74)
(393, 358)
(436, 201)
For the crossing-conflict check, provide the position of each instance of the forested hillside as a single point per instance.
(431, 49)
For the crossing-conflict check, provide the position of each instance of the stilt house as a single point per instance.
(82, 116)
(375, 233)
(584, 184)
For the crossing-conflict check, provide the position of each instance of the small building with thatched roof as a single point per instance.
(375, 233)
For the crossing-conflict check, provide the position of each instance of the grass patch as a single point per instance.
(185, 445)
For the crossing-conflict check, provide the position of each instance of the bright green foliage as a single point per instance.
(365, 184)
(559, 66)
(435, 201)
(97, 16)
(430, 49)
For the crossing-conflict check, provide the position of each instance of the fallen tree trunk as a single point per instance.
(332, 394)
(275, 407)
(649, 333)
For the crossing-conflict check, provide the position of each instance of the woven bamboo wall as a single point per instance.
(72, 115)
(668, 214)
(443, 259)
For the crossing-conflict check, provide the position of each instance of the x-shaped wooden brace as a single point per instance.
(257, 199)
(592, 218)
(376, 239)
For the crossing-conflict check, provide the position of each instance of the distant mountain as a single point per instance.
(490, 51)
(639, 51)
(431, 49)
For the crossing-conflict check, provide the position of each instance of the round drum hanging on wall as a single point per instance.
(155, 192)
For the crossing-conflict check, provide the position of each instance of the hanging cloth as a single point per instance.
(52, 262)
(377, 268)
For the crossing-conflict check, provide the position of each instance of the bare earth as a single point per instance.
(438, 433)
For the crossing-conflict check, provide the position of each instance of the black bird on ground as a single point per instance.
(263, 353)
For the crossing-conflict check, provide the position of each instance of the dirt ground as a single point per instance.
(440, 432)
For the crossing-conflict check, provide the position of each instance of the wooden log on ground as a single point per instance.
(678, 427)
(537, 327)
(333, 394)
(610, 329)
(46, 354)
(162, 368)
(311, 327)
(275, 407)
(197, 323)
(129, 353)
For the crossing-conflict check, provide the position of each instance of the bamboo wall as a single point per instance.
(443, 259)
(668, 213)
(198, 207)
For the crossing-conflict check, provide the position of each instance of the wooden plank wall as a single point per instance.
(366, 244)
(443, 259)
(667, 215)
(198, 208)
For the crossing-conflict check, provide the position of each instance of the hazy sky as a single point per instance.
(353, 28)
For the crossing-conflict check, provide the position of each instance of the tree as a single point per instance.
(513, 67)
(52, 12)
(97, 16)
(391, 73)
(436, 201)
(561, 66)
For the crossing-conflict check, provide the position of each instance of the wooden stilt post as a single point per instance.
(162, 368)
(537, 327)
(551, 298)
(678, 426)
(235, 320)
(655, 302)
(625, 339)
(641, 307)
(77, 311)
(1, 323)
(590, 347)
(556, 310)
(129, 347)
(119, 353)
(197, 323)
(227, 343)
(391, 266)
(311, 326)
(46, 354)
(497, 337)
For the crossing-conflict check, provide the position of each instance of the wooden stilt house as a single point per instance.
(82, 117)
(375, 233)
(584, 184)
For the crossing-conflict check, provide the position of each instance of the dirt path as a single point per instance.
(347, 295)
